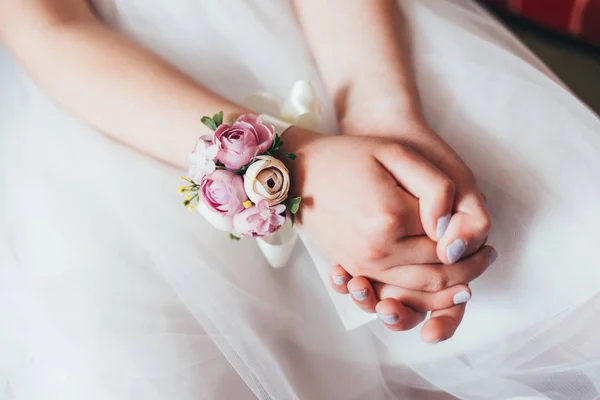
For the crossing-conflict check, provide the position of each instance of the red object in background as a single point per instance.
(591, 22)
(577, 18)
(552, 13)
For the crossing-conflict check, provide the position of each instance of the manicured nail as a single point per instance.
(461, 297)
(455, 250)
(389, 318)
(442, 225)
(360, 295)
(492, 255)
(339, 279)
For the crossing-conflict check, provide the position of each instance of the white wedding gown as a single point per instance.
(110, 289)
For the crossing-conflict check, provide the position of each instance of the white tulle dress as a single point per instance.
(110, 289)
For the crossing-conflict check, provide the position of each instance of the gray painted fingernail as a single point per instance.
(461, 297)
(389, 318)
(492, 255)
(442, 225)
(339, 279)
(360, 295)
(455, 251)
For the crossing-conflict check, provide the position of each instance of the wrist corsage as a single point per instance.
(236, 178)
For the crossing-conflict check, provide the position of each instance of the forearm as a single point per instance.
(117, 86)
(362, 53)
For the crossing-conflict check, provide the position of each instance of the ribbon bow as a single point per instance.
(300, 107)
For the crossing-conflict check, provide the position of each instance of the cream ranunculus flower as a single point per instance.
(267, 178)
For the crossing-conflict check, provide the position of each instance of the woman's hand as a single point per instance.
(460, 236)
(470, 223)
(367, 203)
(443, 291)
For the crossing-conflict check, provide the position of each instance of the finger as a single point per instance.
(423, 180)
(398, 317)
(362, 293)
(436, 277)
(339, 278)
(411, 250)
(442, 324)
(424, 301)
(467, 227)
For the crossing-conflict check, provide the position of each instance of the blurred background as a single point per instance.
(565, 34)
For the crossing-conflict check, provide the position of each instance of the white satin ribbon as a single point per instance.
(300, 107)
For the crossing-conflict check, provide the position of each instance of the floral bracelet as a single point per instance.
(237, 180)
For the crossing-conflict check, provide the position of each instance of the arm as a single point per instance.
(362, 52)
(107, 80)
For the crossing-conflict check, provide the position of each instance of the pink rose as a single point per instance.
(223, 192)
(240, 142)
(259, 220)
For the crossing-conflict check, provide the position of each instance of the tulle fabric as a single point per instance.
(109, 289)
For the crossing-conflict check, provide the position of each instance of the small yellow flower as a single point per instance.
(181, 189)
(247, 204)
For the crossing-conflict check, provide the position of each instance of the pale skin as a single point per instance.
(65, 48)
(381, 85)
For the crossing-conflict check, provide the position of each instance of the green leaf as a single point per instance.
(291, 156)
(231, 121)
(277, 143)
(208, 121)
(292, 218)
(218, 118)
(233, 237)
(294, 205)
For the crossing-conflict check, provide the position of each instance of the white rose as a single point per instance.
(267, 179)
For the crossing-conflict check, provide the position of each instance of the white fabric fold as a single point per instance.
(108, 290)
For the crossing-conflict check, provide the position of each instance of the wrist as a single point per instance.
(371, 110)
(298, 141)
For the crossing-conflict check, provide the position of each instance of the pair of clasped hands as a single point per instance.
(402, 216)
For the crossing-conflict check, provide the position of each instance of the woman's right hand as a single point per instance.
(368, 202)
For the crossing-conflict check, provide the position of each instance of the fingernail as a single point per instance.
(492, 255)
(455, 251)
(360, 295)
(461, 297)
(442, 226)
(388, 319)
(339, 279)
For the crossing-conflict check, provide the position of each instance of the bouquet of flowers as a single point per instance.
(236, 178)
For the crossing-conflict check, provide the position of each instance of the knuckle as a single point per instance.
(483, 224)
(437, 283)
(392, 220)
(447, 188)
(385, 226)
(374, 251)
